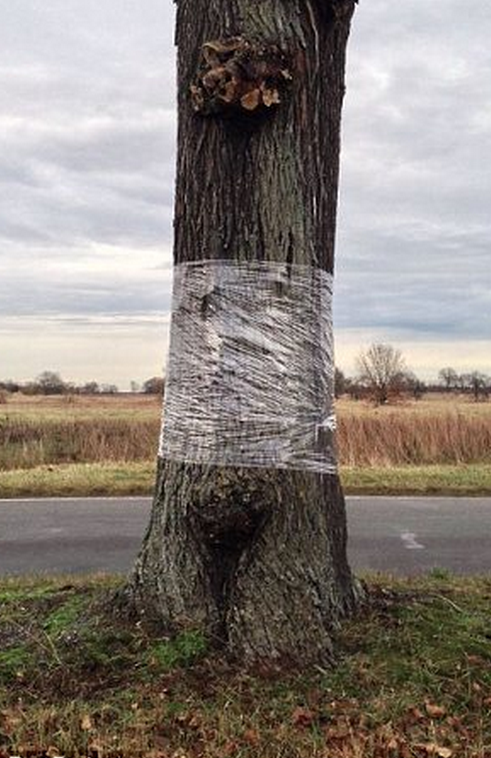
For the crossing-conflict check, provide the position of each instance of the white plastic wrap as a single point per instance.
(251, 373)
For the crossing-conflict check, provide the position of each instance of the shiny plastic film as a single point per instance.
(250, 378)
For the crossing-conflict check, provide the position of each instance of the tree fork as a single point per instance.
(257, 556)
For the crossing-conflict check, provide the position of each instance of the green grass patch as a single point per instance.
(412, 680)
(84, 480)
(63, 617)
(468, 479)
(13, 662)
(182, 651)
(137, 478)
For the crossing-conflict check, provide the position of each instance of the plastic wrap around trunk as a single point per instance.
(251, 372)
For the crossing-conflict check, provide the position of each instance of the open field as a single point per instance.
(412, 680)
(41, 408)
(107, 445)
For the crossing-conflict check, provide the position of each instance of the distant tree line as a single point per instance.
(383, 377)
(51, 383)
(475, 383)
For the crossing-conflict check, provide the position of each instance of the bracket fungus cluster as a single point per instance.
(237, 76)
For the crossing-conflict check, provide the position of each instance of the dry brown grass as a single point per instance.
(24, 444)
(398, 438)
(58, 407)
(48, 431)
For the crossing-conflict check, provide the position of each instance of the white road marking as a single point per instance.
(410, 541)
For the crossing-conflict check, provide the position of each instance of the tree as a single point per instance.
(90, 388)
(478, 384)
(10, 387)
(50, 383)
(109, 389)
(411, 384)
(340, 383)
(154, 385)
(381, 370)
(449, 378)
(252, 548)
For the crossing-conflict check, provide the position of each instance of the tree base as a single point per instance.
(255, 557)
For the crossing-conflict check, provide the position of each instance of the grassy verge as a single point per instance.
(79, 479)
(413, 680)
(468, 479)
(138, 479)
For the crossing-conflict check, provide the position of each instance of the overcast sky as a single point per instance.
(87, 136)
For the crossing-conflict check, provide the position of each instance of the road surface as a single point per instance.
(400, 535)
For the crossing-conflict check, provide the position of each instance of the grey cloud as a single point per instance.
(415, 228)
(108, 184)
(87, 97)
(43, 296)
(87, 124)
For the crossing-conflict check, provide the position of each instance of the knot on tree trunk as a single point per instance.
(236, 76)
(230, 507)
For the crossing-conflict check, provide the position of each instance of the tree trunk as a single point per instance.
(253, 552)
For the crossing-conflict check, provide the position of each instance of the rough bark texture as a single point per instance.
(258, 557)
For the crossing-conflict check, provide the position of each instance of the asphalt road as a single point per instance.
(400, 535)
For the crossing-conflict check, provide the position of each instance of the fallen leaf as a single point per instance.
(195, 721)
(475, 660)
(416, 714)
(431, 748)
(302, 717)
(435, 711)
(86, 723)
(252, 737)
(10, 720)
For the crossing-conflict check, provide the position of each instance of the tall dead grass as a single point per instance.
(392, 437)
(401, 438)
(25, 444)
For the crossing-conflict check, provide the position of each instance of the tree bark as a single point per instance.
(257, 556)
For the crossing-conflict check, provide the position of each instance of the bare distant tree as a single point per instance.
(154, 385)
(9, 386)
(340, 383)
(478, 384)
(381, 370)
(109, 389)
(50, 383)
(413, 385)
(449, 378)
(89, 388)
